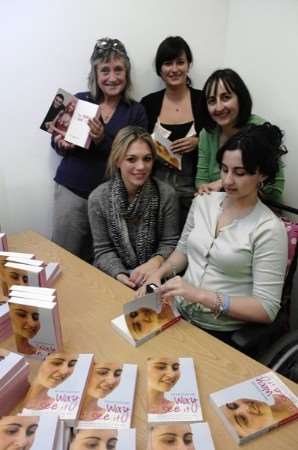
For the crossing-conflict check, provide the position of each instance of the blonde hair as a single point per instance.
(124, 138)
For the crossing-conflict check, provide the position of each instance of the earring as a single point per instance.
(261, 185)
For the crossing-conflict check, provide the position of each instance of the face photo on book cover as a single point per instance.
(172, 436)
(104, 379)
(172, 386)
(57, 107)
(144, 321)
(97, 439)
(26, 324)
(15, 276)
(56, 375)
(18, 432)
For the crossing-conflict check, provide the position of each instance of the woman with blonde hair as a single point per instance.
(133, 216)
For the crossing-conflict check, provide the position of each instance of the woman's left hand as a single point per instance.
(185, 145)
(141, 274)
(178, 286)
(96, 130)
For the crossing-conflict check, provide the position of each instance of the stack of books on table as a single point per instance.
(144, 318)
(14, 371)
(35, 320)
(174, 408)
(44, 432)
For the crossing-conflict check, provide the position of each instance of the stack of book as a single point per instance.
(109, 396)
(35, 320)
(59, 386)
(174, 406)
(32, 432)
(144, 318)
(14, 371)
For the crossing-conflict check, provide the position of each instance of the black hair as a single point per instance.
(170, 48)
(232, 83)
(261, 148)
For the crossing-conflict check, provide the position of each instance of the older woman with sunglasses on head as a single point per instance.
(226, 107)
(81, 170)
(233, 248)
(133, 216)
(174, 113)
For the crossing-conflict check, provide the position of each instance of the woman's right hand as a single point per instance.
(207, 188)
(123, 278)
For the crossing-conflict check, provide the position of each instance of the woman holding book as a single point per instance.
(95, 439)
(17, 432)
(163, 374)
(104, 379)
(225, 108)
(171, 437)
(81, 170)
(233, 248)
(133, 216)
(55, 369)
(25, 324)
(173, 113)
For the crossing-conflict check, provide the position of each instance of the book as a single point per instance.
(25, 274)
(36, 326)
(163, 150)
(10, 363)
(109, 396)
(195, 436)
(255, 406)
(29, 432)
(3, 259)
(103, 438)
(68, 116)
(172, 391)
(144, 322)
(34, 289)
(59, 386)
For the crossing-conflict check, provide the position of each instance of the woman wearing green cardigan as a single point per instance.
(225, 108)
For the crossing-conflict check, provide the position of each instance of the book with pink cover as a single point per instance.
(36, 326)
(109, 396)
(71, 120)
(59, 386)
(255, 406)
(195, 436)
(172, 391)
(105, 438)
(14, 390)
(144, 318)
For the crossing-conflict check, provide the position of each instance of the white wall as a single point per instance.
(262, 45)
(46, 45)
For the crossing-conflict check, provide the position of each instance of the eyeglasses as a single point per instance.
(106, 44)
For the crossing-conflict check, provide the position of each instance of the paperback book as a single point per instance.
(36, 326)
(172, 391)
(29, 432)
(59, 386)
(3, 242)
(68, 117)
(144, 318)
(103, 438)
(109, 396)
(163, 150)
(193, 436)
(255, 406)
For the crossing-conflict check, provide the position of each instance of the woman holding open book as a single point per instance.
(82, 170)
(233, 248)
(133, 216)
(173, 114)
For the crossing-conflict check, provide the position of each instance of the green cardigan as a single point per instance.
(208, 170)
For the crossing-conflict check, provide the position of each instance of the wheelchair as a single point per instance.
(274, 345)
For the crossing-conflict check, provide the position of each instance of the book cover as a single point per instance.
(14, 390)
(163, 150)
(29, 432)
(59, 386)
(10, 363)
(68, 116)
(144, 323)
(3, 259)
(34, 326)
(106, 439)
(188, 436)
(255, 406)
(109, 396)
(172, 391)
(15, 273)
